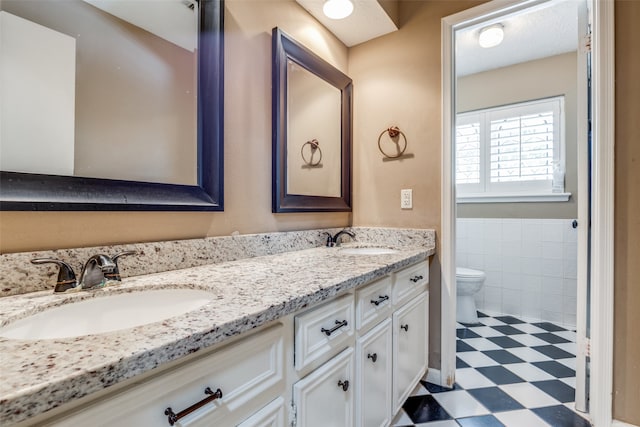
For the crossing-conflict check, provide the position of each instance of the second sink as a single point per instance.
(367, 251)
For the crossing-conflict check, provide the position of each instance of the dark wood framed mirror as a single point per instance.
(32, 191)
(312, 130)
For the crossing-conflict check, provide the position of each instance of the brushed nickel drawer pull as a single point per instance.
(344, 384)
(339, 325)
(172, 417)
(380, 300)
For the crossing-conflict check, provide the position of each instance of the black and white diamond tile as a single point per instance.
(510, 373)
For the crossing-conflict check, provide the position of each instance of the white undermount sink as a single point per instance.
(367, 251)
(106, 314)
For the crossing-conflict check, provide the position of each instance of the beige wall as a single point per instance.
(248, 25)
(626, 373)
(542, 78)
(396, 81)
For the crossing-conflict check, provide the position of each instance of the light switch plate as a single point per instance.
(406, 199)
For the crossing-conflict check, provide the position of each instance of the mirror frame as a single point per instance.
(285, 48)
(39, 192)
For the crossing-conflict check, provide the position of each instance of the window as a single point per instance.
(511, 152)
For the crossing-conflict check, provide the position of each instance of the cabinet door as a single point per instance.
(410, 342)
(271, 415)
(325, 397)
(373, 373)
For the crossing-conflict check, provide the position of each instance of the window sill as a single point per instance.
(513, 198)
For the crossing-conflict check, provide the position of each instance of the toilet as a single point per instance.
(468, 282)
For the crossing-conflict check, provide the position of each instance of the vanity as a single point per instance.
(318, 336)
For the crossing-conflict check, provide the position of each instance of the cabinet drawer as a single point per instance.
(323, 332)
(373, 304)
(410, 282)
(250, 374)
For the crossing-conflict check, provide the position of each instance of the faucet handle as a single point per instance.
(330, 242)
(115, 274)
(66, 277)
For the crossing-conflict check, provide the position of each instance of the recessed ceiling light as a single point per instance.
(491, 36)
(337, 9)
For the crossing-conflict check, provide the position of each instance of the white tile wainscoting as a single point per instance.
(531, 266)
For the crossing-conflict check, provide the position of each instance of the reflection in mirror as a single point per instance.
(111, 106)
(313, 134)
(94, 94)
(311, 131)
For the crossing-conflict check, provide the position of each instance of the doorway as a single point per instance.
(491, 14)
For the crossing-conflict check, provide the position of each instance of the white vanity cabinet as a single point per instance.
(391, 354)
(349, 361)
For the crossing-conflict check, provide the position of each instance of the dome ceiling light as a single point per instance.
(337, 9)
(491, 36)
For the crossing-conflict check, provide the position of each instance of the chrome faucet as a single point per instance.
(334, 240)
(97, 271)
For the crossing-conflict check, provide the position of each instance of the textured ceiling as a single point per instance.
(534, 34)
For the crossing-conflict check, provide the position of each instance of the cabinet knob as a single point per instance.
(344, 384)
(373, 357)
(172, 417)
(405, 327)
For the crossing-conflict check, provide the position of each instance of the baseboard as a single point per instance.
(616, 423)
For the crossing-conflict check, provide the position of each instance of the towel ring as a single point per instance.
(394, 132)
(314, 146)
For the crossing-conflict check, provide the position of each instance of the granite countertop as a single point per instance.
(37, 376)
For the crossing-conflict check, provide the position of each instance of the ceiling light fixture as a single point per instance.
(491, 36)
(337, 9)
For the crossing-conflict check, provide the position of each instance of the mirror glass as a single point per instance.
(100, 88)
(311, 130)
(111, 104)
(313, 134)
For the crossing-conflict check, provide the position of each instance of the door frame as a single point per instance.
(602, 193)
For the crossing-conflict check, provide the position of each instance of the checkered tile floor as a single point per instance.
(509, 373)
